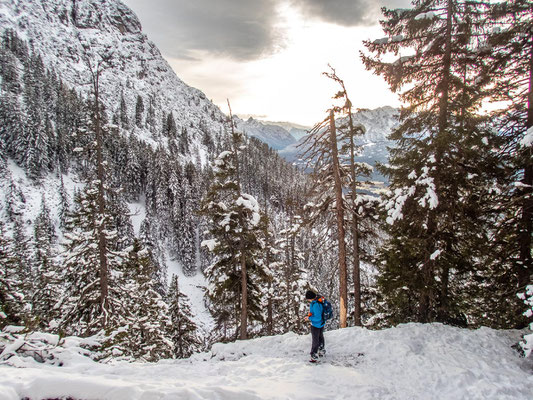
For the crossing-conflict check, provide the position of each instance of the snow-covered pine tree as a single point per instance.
(123, 114)
(289, 282)
(46, 271)
(139, 111)
(64, 202)
(527, 342)
(149, 335)
(185, 201)
(170, 129)
(237, 275)
(11, 294)
(437, 172)
(22, 257)
(183, 330)
(37, 141)
(151, 123)
(93, 300)
(83, 310)
(147, 235)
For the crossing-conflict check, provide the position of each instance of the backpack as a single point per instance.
(327, 309)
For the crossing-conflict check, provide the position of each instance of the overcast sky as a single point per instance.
(267, 56)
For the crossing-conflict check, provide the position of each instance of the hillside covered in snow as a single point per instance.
(71, 37)
(408, 362)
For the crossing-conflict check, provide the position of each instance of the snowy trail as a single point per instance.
(411, 361)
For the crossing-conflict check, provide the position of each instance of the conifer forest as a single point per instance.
(118, 182)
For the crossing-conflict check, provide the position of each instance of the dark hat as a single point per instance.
(310, 295)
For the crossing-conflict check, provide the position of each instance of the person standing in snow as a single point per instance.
(317, 325)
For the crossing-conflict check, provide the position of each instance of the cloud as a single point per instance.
(239, 29)
(347, 12)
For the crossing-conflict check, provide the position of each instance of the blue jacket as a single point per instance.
(315, 314)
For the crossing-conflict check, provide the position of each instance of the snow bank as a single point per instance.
(412, 361)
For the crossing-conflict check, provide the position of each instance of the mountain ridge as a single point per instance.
(65, 32)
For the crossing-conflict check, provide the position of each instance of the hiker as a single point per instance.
(316, 307)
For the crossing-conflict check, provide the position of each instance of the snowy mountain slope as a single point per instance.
(411, 361)
(275, 136)
(65, 32)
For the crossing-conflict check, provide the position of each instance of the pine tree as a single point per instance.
(85, 309)
(147, 235)
(508, 52)
(123, 114)
(149, 337)
(437, 172)
(139, 111)
(64, 202)
(170, 129)
(237, 273)
(150, 117)
(184, 330)
(11, 126)
(22, 258)
(46, 272)
(14, 201)
(93, 302)
(35, 144)
(289, 278)
(11, 296)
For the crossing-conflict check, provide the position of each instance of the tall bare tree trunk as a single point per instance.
(355, 228)
(343, 286)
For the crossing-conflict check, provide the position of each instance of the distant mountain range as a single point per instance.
(276, 136)
(287, 138)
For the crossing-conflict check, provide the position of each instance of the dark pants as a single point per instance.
(318, 339)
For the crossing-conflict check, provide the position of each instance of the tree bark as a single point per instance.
(244, 303)
(343, 286)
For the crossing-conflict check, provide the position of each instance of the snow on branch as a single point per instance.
(527, 140)
(527, 343)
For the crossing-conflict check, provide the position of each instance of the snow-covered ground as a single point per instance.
(412, 361)
(193, 287)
